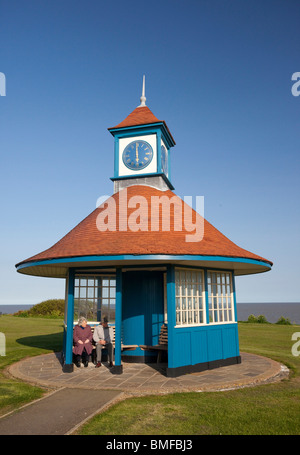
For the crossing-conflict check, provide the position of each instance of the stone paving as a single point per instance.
(140, 379)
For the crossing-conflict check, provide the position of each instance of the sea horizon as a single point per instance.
(271, 310)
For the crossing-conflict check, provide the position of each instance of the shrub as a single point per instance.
(283, 321)
(252, 319)
(261, 319)
(49, 308)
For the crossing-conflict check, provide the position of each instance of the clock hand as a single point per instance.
(137, 153)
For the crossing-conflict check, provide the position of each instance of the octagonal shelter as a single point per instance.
(146, 259)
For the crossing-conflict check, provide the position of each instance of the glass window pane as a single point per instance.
(112, 293)
(105, 292)
(82, 292)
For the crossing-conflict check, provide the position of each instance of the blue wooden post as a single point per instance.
(68, 364)
(118, 369)
(171, 313)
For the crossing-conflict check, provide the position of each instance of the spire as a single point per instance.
(143, 98)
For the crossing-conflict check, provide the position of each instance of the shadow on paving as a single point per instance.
(57, 413)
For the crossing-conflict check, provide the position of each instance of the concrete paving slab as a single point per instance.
(57, 413)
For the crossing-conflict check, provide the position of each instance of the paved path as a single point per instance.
(58, 413)
(77, 396)
(138, 379)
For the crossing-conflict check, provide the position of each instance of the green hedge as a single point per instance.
(53, 308)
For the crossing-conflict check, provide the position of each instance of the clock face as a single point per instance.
(137, 155)
(164, 159)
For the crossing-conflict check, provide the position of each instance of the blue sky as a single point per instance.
(218, 72)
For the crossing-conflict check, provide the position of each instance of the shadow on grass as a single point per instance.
(52, 342)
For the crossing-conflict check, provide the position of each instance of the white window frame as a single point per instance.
(181, 292)
(218, 302)
(95, 277)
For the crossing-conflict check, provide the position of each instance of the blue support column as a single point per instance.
(118, 368)
(171, 313)
(68, 364)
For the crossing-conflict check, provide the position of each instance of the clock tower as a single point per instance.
(142, 150)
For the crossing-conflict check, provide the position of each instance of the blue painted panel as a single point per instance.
(199, 346)
(142, 308)
(230, 342)
(193, 345)
(183, 351)
(214, 341)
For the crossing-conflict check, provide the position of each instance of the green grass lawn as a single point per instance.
(25, 337)
(265, 409)
(271, 409)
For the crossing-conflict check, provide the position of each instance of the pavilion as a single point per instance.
(145, 258)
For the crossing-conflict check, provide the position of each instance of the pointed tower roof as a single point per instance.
(141, 116)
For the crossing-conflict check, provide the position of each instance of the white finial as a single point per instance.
(143, 98)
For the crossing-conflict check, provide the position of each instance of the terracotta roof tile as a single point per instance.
(141, 116)
(85, 239)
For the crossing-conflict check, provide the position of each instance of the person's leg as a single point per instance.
(77, 360)
(85, 358)
(110, 351)
(99, 354)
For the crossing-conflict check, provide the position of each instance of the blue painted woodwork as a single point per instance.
(143, 257)
(118, 317)
(194, 345)
(171, 314)
(161, 132)
(70, 319)
(142, 309)
(139, 130)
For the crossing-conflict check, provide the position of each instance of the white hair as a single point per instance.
(81, 319)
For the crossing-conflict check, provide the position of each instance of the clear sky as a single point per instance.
(218, 72)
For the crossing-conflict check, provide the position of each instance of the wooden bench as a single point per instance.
(124, 347)
(162, 345)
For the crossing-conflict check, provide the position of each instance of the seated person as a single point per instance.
(103, 336)
(82, 338)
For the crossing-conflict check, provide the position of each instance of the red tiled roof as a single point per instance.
(141, 116)
(85, 239)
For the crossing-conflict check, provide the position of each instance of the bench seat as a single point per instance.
(162, 345)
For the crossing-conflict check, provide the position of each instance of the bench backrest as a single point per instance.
(114, 330)
(163, 336)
